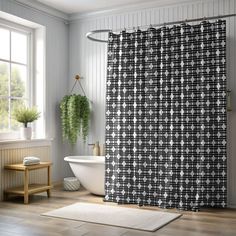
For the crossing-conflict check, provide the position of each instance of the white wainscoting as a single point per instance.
(89, 60)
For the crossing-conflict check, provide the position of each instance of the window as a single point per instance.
(22, 73)
(15, 74)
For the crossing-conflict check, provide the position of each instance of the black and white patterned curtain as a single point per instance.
(166, 116)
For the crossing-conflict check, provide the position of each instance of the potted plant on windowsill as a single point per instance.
(26, 115)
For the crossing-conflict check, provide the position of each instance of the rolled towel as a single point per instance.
(31, 160)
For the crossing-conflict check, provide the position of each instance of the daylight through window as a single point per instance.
(15, 76)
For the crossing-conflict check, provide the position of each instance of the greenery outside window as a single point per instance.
(15, 75)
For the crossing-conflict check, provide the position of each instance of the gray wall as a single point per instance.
(89, 59)
(57, 58)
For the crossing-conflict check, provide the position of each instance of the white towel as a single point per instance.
(31, 160)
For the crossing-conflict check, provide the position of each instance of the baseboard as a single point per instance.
(231, 206)
(57, 183)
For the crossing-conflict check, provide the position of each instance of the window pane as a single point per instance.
(18, 80)
(19, 47)
(4, 121)
(16, 103)
(4, 44)
(4, 78)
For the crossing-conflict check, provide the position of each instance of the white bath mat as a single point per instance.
(140, 219)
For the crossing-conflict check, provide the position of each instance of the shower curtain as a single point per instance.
(166, 116)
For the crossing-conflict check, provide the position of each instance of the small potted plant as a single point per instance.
(26, 115)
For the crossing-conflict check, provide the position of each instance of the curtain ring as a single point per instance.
(204, 19)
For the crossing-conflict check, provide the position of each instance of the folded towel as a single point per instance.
(31, 160)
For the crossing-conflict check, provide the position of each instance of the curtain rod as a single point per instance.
(93, 32)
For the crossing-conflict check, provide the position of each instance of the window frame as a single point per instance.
(30, 88)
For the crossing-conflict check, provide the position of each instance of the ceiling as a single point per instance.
(82, 6)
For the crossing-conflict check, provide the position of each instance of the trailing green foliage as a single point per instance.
(26, 115)
(85, 116)
(64, 117)
(75, 115)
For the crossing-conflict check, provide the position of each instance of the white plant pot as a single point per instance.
(26, 133)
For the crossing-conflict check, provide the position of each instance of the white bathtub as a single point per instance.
(90, 170)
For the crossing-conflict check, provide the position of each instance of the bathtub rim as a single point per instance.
(82, 159)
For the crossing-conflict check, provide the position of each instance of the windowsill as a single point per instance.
(21, 143)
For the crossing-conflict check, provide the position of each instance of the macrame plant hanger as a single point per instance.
(77, 80)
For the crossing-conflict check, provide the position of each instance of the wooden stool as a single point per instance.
(28, 189)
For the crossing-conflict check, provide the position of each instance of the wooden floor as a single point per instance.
(25, 220)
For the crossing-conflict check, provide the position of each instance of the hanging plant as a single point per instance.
(84, 111)
(64, 117)
(75, 115)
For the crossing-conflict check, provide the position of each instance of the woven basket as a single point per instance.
(71, 184)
